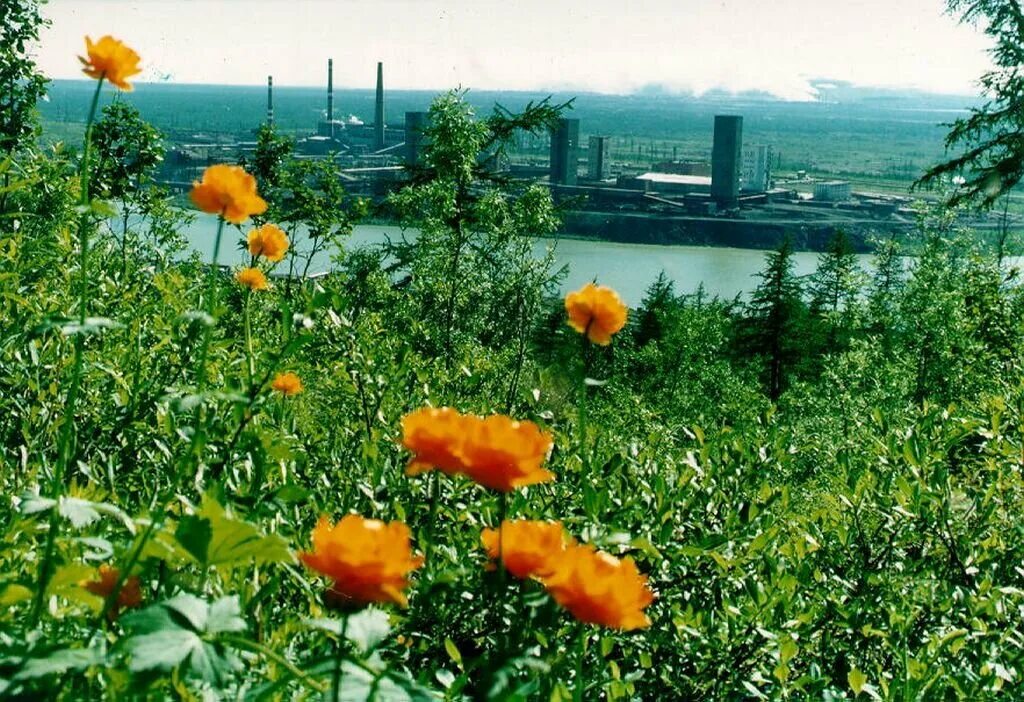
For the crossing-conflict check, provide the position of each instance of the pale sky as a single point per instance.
(592, 45)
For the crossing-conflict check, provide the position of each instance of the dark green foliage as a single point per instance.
(21, 83)
(126, 151)
(775, 320)
(992, 137)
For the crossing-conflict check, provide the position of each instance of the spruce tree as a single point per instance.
(835, 287)
(657, 305)
(775, 317)
(992, 136)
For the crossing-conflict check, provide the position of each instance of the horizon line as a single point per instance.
(658, 91)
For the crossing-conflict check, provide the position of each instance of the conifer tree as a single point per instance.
(658, 303)
(992, 136)
(834, 290)
(775, 319)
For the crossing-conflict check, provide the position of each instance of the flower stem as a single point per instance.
(338, 659)
(428, 547)
(67, 429)
(250, 364)
(581, 656)
(204, 344)
(256, 647)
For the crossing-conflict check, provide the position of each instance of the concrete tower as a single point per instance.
(726, 157)
(565, 143)
(598, 153)
(330, 90)
(415, 124)
(378, 111)
(270, 100)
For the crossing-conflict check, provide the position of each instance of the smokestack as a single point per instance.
(270, 100)
(330, 94)
(378, 114)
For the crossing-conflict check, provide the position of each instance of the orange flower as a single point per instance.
(368, 560)
(434, 436)
(528, 549)
(107, 576)
(598, 588)
(502, 454)
(110, 59)
(252, 278)
(596, 311)
(268, 241)
(228, 191)
(287, 384)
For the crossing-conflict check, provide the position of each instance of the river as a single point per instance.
(628, 268)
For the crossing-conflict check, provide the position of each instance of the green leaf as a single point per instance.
(163, 650)
(368, 628)
(194, 534)
(225, 616)
(62, 661)
(453, 652)
(214, 538)
(857, 680)
(183, 631)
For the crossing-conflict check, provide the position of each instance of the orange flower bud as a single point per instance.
(252, 278)
(497, 452)
(111, 59)
(228, 191)
(501, 453)
(268, 241)
(596, 311)
(598, 588)
(287, 384)
(528, 549)
(368, 560)
(434, 436)
(129, 596)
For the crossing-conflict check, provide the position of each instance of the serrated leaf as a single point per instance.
(366, 629)
(179, 631)
(163, 650)
(30, 503)
(225, 616)
(80, 513)
(92, 325)
(62, 661)
(231, 541)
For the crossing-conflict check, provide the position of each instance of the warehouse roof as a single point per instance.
(675, 179)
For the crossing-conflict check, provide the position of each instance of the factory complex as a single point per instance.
(733, 199)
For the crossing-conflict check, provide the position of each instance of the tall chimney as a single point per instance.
(330, 94)
(270, 100)
(378, 114)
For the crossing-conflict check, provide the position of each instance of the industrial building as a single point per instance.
(599, 157)
(757, 168)
(415, 139)
(833, 191)
(565, 140)
(726, 155)
(728, 198)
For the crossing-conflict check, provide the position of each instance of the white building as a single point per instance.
(755, 175)
(832, 191)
